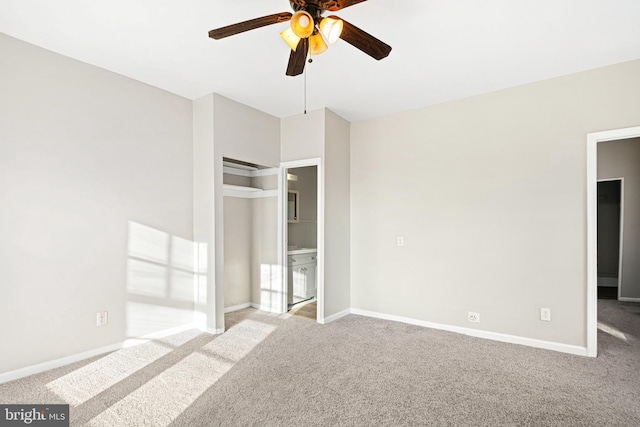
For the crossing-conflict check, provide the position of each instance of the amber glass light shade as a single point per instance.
(290, 37)
(317, 45)
(331, 29)
(302, 24)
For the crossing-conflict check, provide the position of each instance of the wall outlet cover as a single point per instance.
(545, 314)
(400, 241)
(473, 317)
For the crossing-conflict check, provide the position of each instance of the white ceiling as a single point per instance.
(442, 49)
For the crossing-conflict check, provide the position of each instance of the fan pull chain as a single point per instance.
(305, 90)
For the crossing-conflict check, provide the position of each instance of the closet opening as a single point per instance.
(252, 272)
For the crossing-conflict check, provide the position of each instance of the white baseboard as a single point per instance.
(265, 308)
(495, 336)
(334, 317)
(237, 307)
(63, 361)
(52, 364)
(160, 334)
(627, 299)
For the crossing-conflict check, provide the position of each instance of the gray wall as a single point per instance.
(266, 278)
(95, 209)
(266, 274)
(621, 159)
(324, 134)
(237, 251)
(251, 269)
(489, 193)
(337, 210)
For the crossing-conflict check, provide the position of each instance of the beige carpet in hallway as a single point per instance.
(308, 310)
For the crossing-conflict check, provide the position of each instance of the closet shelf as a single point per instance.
(247, 192)
(241, 188)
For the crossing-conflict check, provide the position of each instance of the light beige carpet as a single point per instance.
(271, 370)
(308, 310)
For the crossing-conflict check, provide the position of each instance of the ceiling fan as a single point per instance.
(309, 29)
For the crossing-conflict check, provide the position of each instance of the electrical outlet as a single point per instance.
(473, 317)
(545, 314)
(400, 241)
(102, 318)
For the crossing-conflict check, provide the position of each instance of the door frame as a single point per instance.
(282, 231)
(593, 139)
(621, 231)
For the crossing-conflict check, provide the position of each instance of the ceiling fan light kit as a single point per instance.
(308, 30)
(331, 29)
(317, 45)
(302, 24)
(290, 37)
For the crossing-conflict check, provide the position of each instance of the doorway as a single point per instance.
(302, 237)
(593, 139)
(302, 240)
(609, 235)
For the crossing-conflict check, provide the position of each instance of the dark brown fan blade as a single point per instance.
(251, 24)
(298, 58)
(363, 40)
(335, 5)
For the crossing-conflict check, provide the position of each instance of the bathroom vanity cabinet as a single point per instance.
(302, 274)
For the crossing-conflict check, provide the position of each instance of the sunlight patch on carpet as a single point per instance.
(612, 331)
(156, 403)
(85, 383)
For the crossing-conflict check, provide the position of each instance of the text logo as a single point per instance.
(34, 415)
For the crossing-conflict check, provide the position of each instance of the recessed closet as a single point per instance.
(251, 269)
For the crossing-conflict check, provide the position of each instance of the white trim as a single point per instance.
(621, 250)
(266, 308)
(213, 331)
(63, 361)
(592, 221)
(494, 336)
(265, 172)
(281, 239)
(241, 188)
(284, 166)
(237, 307)
(160, 334)
(234, 171)
(52, 364)
(336, 316)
